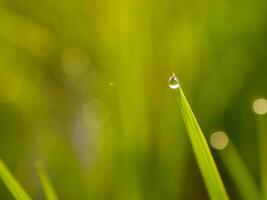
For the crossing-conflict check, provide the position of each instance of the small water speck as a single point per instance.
(173, 82)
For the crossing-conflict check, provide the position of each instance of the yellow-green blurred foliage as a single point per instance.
(83, 88)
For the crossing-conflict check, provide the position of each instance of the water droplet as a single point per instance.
(173, 82)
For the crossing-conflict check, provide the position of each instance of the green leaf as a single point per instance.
(202, 152)
(46, 183)
(12, 184)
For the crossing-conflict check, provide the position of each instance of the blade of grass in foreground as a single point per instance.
(46, 183)
(12, 183)
(202, 152)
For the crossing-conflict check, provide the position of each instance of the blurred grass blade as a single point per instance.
(12, 184)
(261, 123)
(46, 183)
(239, 173)
(202, 152)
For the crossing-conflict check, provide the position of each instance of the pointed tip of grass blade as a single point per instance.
(45, 181)
(12, 184)
(202, 152)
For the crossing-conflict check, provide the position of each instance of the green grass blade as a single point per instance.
(46, 183)
(12, 184)
(202, 152)
(261, 123)
(239, 173)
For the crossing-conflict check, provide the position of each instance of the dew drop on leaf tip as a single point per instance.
(173, 82)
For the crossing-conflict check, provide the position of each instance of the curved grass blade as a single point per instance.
(12, 184)
(46, 183)
(202, 152)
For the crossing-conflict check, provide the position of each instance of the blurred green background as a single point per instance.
(83, 88)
